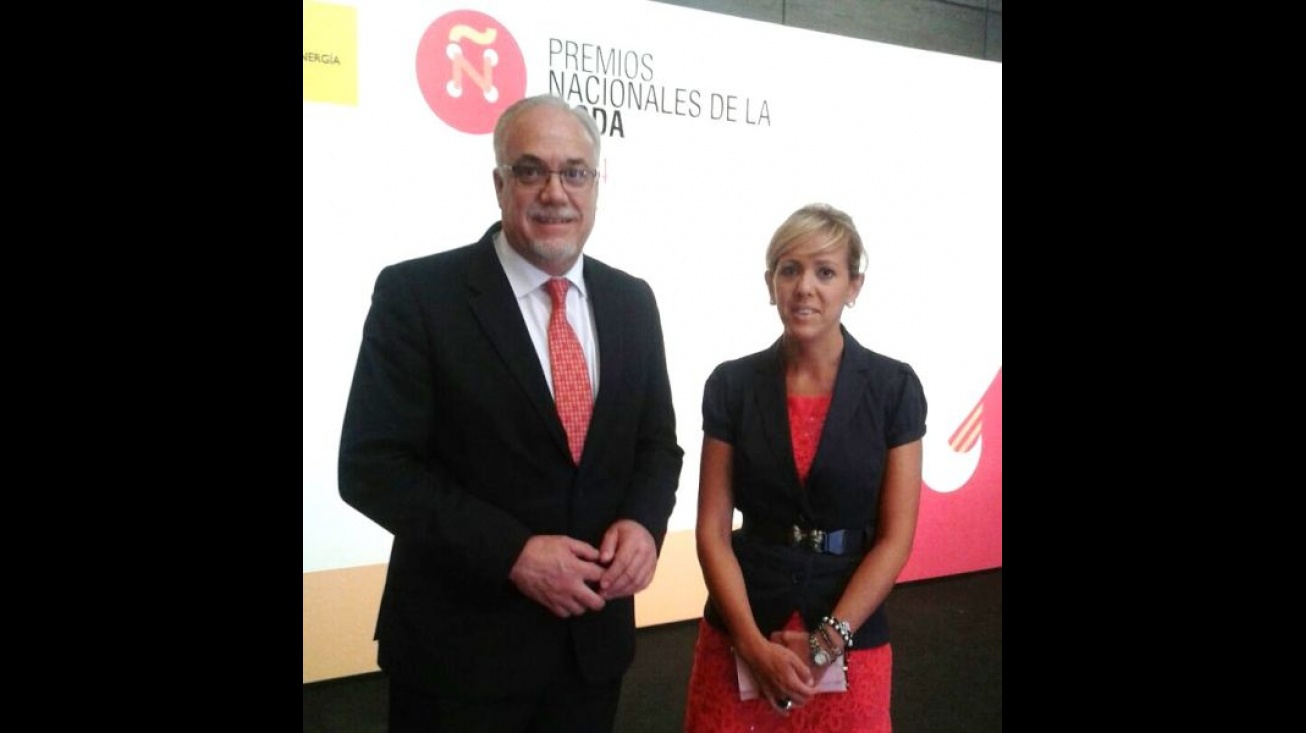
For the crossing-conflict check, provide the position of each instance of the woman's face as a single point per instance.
(811, 288)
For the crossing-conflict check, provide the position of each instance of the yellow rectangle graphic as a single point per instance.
(330, 53)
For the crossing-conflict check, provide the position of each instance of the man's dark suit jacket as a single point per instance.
(452, 443)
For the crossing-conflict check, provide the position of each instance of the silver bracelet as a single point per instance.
(844, 630)
(826, 635)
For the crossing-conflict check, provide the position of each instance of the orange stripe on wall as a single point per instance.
(964, 438)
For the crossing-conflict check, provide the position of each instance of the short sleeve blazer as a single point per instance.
(878, 404)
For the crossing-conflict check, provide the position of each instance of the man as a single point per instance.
(520, 537)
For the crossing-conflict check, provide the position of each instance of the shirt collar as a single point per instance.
(524, 277)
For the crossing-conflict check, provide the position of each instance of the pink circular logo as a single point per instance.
(469, 69)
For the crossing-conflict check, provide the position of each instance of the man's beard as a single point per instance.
(554, 251)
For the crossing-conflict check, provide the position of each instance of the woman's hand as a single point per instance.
(782, 674)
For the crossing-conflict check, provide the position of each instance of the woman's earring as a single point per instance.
(773, 301)
(852, 302)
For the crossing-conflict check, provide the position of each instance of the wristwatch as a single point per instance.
(820, 657)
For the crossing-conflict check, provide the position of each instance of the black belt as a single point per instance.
(838, 542)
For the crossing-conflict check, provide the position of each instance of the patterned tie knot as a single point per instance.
(558, 291)
(572, 393)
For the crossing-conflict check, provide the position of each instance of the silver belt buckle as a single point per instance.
(813, 540)
(795, 536)
(816, 540)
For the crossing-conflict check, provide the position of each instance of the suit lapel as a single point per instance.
(610, 335)
(773, 409)
(496, 310)
(849, 386)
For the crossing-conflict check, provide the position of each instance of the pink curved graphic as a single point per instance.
(961, 531)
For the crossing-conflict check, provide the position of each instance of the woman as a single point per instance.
(817, 442)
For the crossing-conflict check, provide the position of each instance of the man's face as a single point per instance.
(547, 223)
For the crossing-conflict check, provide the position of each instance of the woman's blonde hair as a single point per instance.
(818, 219)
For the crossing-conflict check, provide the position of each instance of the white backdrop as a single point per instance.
(908, 142)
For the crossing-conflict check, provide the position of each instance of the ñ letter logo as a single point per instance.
(485, 79)
(469, 70)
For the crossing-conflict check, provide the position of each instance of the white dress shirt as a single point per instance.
(528, 286)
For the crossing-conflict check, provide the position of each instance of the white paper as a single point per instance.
(829, 679)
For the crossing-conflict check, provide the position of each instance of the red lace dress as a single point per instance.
(713, 704)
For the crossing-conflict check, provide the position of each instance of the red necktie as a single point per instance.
(571, 377)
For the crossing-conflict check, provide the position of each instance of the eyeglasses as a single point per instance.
(531, 175)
